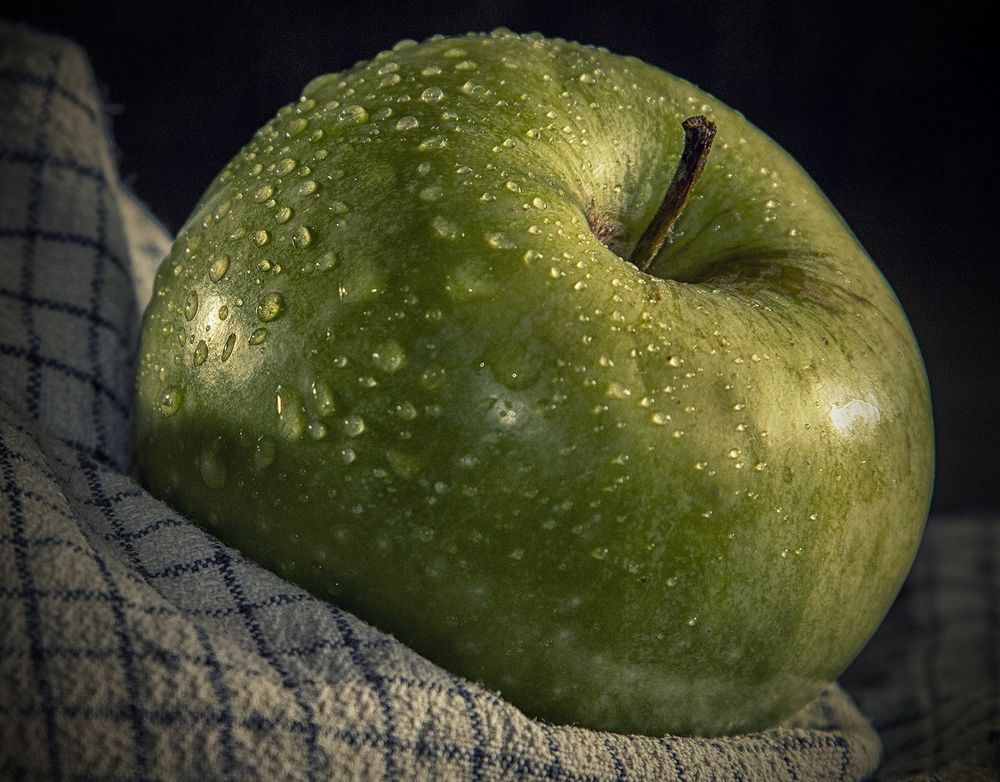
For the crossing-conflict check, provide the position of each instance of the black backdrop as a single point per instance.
(884, 103)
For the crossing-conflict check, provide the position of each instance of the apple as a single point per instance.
(554, 367)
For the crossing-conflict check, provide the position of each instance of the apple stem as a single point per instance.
(699, 131)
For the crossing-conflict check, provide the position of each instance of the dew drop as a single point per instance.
(407, 123)
(286, 166)
(389, 356)
(213, 468)
(431, 193)
(261, 237)
(171, 401)
(444, 227)
(283, 215)
(263, 453)
(258, 336)
(270, 307)
(296, 126)
(432, 95)
(302, 237)
(308, 187)
(353, 425)
(200, 353)
(261, 194)
(191, 305)
(227, 349)
(218, 268)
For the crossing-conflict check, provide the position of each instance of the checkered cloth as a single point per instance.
(133, 645)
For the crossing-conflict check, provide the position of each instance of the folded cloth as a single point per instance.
(133, 645)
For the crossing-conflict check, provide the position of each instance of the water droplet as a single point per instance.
(326, 261)
(406, 410)
(431, 193)
(733, 453)
(296, 126)
(261, 194)
(432, 377)
(263, 453)
(431, 70)
(283, 215)
(538, 203)
(322, 397)
(200, 353)
(434, 142)
(659, 418)
(227, 349)
(302, 237)
(218, 268)
(213, 468)
(432, 95)
(389, 356)
(513, 186)
(353, 425)
(286, 166)
(675, 361)
(308, 187)
(316, 430)
(390, 80)
(355, 114)
(444, 227)
(407, 123)
(291, 417)
(599, 553)
(191, 305)
(171, 401)
(258, 336)
(261, 237)
(270, 307)
(499, 241)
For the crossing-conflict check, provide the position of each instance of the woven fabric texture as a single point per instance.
(133, 645)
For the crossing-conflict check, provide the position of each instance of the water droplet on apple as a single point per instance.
(227, 349)
(308, 187)
(171, 401)
(322, 397)
(191, 304)
(434, 142)
(263, 453)
(432, 377)
(257, 336)
(432, 95)
(302, 237)
(389, 356)
(200, 353)
(513, 186)
(431, 193)
(353, 425)
(352, 114)
(316, 430)
(391, 80)
(286, 166)
(296, 126)
(270, 307)
(212, 466)
(261, 237)
(444, 227)
(407, 123)
(262, 193)
(406, 410)
(218, 268)
(499, 241)
(283, 215)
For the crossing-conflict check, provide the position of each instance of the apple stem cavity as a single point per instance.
(699, 131)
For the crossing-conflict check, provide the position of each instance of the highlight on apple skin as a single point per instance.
(400, 355)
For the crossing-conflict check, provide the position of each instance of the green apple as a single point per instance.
(418, 350)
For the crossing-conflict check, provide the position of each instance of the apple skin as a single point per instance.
(390, 358)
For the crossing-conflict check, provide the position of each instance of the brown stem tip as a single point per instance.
(699, 131)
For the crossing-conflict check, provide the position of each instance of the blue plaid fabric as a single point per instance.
(134, 646)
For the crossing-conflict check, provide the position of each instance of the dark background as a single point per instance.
(884, 103)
